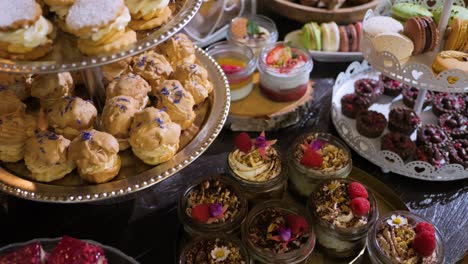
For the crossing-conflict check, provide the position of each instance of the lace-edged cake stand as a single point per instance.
(370, 148)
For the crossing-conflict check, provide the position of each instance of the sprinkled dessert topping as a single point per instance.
(214, 251)
(85, 135)
(321, 155)
(160, 122)
(212, 202)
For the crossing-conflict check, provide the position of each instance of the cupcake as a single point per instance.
(436, 156)
(404, 237)
(370, 124)
(400, 144)
(410, 94)
(456, 124)
(432, 135)
(403, 120)
(391, 87)
(342, 212)
(446, 103)
(368, 88)
(458, 152)
(351, 104)
(256, 165)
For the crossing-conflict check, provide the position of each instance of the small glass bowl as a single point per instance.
(303, 180)
(378, 257)
(231, 226)
(264, 256)
(339, 242)
(238, 63)
(256, 44)
(223, 240)
(284, 85)
(259, 191)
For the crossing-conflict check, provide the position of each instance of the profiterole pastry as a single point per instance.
(195, 80)
(24, 33)
(101, 26)
(117, 116)
(71, 114)
(153, 67)
(46, 156)
(178, 49)
(15, 129)
(113, 70)
(95, 155)
(20, 84)
(131, 85)
(148, 14)
(153, 136)
(9, 103)
(50, 88)
(177, 102)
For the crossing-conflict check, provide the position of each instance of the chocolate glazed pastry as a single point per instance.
(351, 104)
(370, 124)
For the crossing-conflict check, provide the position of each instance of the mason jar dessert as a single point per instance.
(238, 63)
(278, 232)
(257, 166)
(255, 32)
(342, 212)
(284, 72)
(214, 249)
(315, 157)
(211, 205)
(404, 237)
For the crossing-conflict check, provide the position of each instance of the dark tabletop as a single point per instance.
(145, 226)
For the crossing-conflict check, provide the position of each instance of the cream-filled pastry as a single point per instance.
(177, 102)
(113, 70)
(70, 115)
(117, 117)
(148, 14)
(195, 80)
(46, 156)
(60, 8)
(15, 129)
(9, 103)
(153, 67)
(96, 155)
(131, 85)
(20, 84)
(178, 50)
(153, 136)
(50, 88)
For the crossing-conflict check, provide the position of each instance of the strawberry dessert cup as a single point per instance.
(284, 72)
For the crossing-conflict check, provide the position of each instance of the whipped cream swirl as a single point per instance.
(252, 166)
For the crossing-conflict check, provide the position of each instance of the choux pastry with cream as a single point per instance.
(195, 80)
(20, 84)
(9, 103)
(49, 88)
(153, 67)
(131, 85)
(178, 50)
(15, 129)
(177, 102)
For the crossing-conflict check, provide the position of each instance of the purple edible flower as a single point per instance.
(216, 209)
(86, 135)
(123, 99)
(315, 145)
(42, 150)
(284, 233)
(78, 121)
(165, 91)
(138, 124)
(164, 109)
(142, 62)
(160, 122)
(260, 142)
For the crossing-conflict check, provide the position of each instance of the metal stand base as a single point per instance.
(92, 78)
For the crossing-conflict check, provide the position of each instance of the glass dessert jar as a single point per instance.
(238, 63)
(258, 168)
(211, 205)
(278, 232)
(315, 157)
(255, 31)
(216, 248)
(284, 71)
(404, 237)
(342, 212)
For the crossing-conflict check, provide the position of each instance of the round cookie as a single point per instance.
(142, 24)
(344, 40)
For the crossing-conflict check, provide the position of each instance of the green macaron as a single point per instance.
(457, 11)
(310, 36)
(403, 11)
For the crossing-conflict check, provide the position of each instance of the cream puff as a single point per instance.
(148, 14)
(50, 88)
(195, 80)
(117, 117)
(153, 67)
(177, 102)
(24, 33)
(70, 115)
(95, 155)
(9, 103)
(46, 156)
(20, 84)
(113, 70)
(178, 50)
(153, 136)
(15, 129)
(131, 85)
(101, 26)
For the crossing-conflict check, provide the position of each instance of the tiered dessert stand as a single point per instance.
(136, 176)
(416, 72)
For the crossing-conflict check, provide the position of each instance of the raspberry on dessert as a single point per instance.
(456, 124)
(403, 120)
(410, 94)
(243, 142)
(391, 87)
(355, 189)
(360, 206)
(399, 144)
(432, 135)
(370, 124)
(447, 103)
(368, 88)
(425, 243)
(311, 158)
(458, 152)
(433, 155)
(424, 226)
(351, 104)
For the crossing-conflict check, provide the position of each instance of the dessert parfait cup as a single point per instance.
(262, 190)
(377, 254)
(288, 82)
(302, 179)
(238, 63)
(257, 244)
(256, 44)
(218, 193)
(339, 241)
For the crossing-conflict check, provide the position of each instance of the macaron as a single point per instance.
(330, 36)
(423, 32)
(455, 12)
(450, 59)
(404, 11)
(458, 37)
(311, 37)
(397, 44)
(349, 41)
(344, 40)
(358, 26)
(381, 24)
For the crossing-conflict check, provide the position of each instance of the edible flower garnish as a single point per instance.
(397, 221)
(220, 253)
(244, 143)
(216, 209)
(252, 28)
(312, 158)
(208, 213)
(294, 227)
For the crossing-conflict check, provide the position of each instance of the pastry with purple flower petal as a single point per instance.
(131, 85)
(153, 67)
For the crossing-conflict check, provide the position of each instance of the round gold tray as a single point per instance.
(134, 175)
